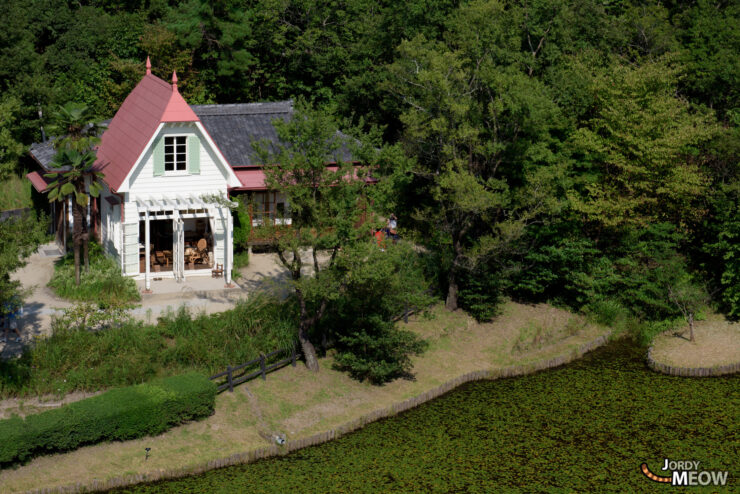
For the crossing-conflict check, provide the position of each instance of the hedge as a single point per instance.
(119, 414)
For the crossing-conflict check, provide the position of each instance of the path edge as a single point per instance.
(720, 370)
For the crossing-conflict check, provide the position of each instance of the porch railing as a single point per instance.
(269, 218)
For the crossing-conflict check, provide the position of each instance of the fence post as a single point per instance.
(406, 312)
(292, 356)
(228, 377)
(262, 365)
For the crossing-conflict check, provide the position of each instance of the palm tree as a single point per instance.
(76, 178)
(77, 135)
(75, 126)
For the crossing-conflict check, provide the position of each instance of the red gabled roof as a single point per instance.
(39, 183)
(251, 179)
(152, 102)
(254, 178)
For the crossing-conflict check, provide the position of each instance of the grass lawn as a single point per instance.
(717, 342)
(299, 403)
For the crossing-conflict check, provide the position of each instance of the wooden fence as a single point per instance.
(236, 375)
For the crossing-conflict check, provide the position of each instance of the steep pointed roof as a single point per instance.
(177, 109)
(152, 102)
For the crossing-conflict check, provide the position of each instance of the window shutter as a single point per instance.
(158, 157)
(194, 155)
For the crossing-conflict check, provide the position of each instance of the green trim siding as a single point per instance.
(159, 157)
(193, 155)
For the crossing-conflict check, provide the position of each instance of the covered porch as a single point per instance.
(183, 236)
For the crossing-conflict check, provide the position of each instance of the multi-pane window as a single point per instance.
(175, 152)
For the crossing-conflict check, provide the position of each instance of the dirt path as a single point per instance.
(41, 303)
(36, 404)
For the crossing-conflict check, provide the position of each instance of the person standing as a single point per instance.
(380, 239)
(392, 226)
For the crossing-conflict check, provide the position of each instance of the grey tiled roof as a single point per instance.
(43, 152)
(235, 127)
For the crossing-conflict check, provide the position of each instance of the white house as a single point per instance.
(158, 214)
(169, 168)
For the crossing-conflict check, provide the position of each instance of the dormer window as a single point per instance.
(175, 153)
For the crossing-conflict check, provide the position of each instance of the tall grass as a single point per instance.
(103, 284)
(76, 357)
(211, 342)
(15, 193)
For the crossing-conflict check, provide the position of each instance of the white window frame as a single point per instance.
(175, 171)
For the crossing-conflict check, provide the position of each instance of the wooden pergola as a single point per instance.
(177, 208)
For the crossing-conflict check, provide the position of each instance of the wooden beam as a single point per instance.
(147, 254)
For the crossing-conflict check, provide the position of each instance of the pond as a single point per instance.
(586, 426)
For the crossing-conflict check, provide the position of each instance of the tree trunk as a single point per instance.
(691, 326)
(85, 241)
(86, 251)
(451, 301)
(294, 266)
(309, 351)
(77, 237)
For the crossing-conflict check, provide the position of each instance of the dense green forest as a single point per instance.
(579, 152)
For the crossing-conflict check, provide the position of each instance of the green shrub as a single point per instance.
(606, 312)
(644, 332)
(480, 293)
(103, 284)
(378, 353)
(360, 320)
(119, 414)
(242, 223)
(241, 259)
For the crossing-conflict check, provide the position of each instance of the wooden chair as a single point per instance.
(202, 249)
(218, 271)
(161, 258)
